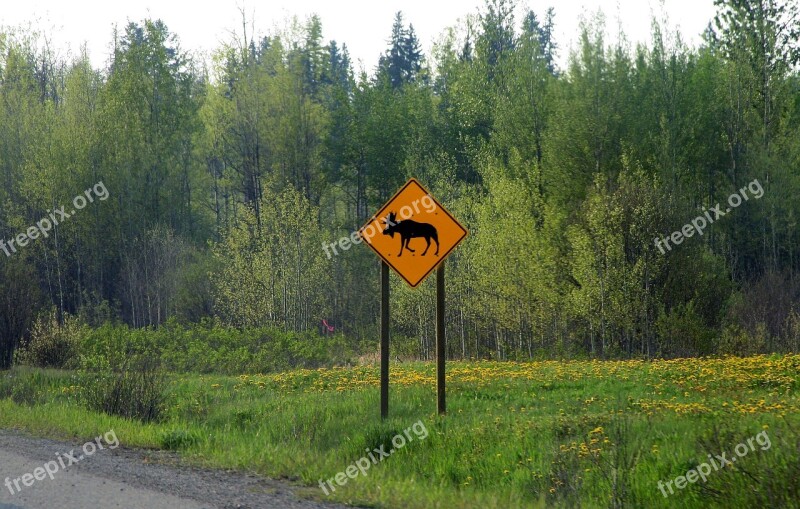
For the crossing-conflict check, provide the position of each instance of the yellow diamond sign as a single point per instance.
(413, 233)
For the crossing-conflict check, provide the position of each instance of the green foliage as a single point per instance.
(273, 270)
(402, 63)
(213, 348)
(736, 341)
(135, 391)
(224, 184)
(30, 387)
(683, 333)
(544, 434)
(53, 344)
(20, 297)
(21, 389)
(178, 439)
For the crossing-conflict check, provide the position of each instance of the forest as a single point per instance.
(226, 176)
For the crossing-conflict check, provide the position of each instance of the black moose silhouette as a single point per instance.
(408, 230)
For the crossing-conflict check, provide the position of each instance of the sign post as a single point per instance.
(440, 341)
(412, 216)
(384, 340)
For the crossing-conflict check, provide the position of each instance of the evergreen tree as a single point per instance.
(402, 62)
(496, 40)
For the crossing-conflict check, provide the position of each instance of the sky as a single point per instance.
(202, 25)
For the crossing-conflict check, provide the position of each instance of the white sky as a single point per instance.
(363, 25)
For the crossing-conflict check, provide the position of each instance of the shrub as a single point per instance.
(52, 344)
(211, 348)
(137, 391)
(683, 332)
(735, 340)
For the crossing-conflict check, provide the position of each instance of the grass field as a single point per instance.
(541, 434)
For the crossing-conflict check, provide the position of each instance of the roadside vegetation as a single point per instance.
(196, 310)
(537, 434)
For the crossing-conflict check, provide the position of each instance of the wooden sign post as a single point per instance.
(412, 214)
(440, 341)
(384, 340)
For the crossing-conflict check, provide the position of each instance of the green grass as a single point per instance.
(545, 434)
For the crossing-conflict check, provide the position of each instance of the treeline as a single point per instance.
(226, 177)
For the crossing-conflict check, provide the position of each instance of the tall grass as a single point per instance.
(546, 434)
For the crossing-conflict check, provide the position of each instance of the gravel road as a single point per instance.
(130, 478)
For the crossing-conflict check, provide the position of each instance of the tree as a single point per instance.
(496, 41)
(543, 34)
(20, 299)
(274, 274)
(402, 62)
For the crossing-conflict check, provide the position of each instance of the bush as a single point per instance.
(137, 391)
(52, 344)
(683, 333)
(210, 348)
(735, 340)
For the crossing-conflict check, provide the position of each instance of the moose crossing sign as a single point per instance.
(413, 233)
